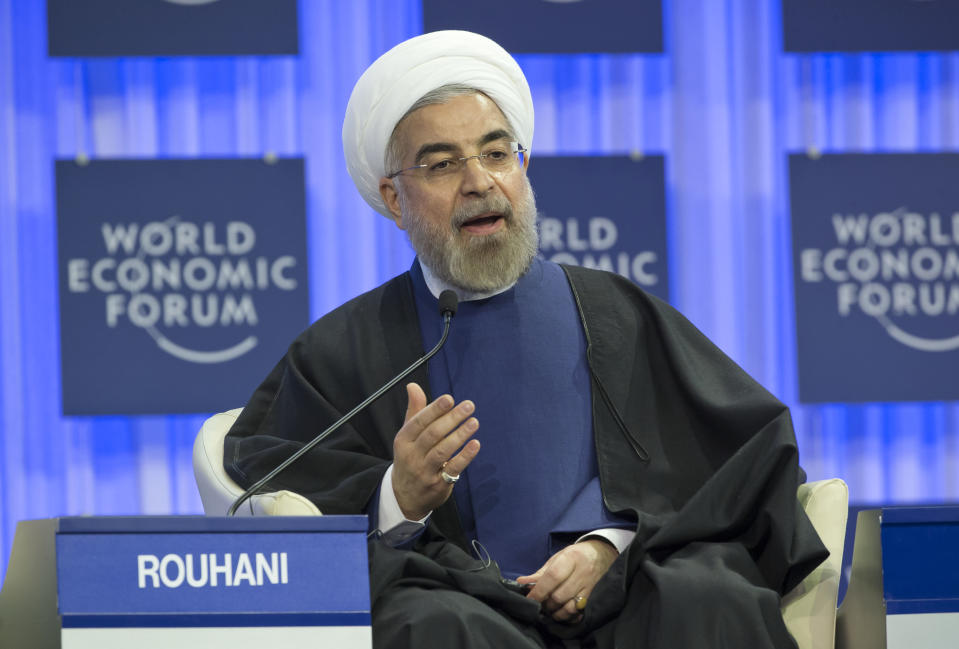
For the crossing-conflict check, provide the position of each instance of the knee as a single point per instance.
(416, 617)
(725, 608)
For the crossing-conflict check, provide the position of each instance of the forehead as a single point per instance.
(460, 122)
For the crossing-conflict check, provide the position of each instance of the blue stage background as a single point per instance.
(723, 104)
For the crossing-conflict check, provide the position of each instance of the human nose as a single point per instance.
(477, 179)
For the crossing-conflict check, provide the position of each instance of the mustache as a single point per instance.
(495, 204)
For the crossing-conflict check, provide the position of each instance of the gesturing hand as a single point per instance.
(424, 447)
(570, 573)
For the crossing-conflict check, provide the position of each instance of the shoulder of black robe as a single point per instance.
(337, 362)
(688, 443)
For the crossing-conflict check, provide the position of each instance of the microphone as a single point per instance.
(448, 301)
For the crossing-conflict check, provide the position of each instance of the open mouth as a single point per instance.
(483, 224)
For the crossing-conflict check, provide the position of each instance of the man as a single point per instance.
(635, 483)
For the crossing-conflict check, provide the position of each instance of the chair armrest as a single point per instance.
(217, 488)
(279, 503)
(810, 608)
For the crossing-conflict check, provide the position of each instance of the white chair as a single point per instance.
(809, 609)
(218, 490)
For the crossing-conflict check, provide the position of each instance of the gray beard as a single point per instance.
(473, 263)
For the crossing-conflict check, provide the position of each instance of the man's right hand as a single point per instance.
(424, 447)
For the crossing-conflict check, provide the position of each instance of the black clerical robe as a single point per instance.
(688, 445)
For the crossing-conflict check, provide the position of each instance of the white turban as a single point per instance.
(397, 80)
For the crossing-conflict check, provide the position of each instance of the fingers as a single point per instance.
(567, 602)
(439, 446)
(442, 433)
(551, 582)
(437, 430)
(561, 603)
(415, 400)
(419, 415)
(571, 611)
(533, 578)
(458, 463)
(426, 425)
(427, 444)
(565, 581)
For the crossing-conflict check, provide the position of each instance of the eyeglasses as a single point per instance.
(497, 159)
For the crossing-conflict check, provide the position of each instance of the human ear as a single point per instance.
(390, 194)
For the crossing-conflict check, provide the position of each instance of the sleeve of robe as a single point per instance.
(328, 370)
(699, 452)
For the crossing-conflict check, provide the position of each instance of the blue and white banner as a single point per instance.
(555, 26)
(204, 581)
(172, 27)
(876, 269)
(920, 576)
(181, 281)
(874, 26)
(604, 212)
(185, 567)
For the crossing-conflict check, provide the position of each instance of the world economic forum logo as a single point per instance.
(900, 267)
(182, 281)
(602, 228)
(594, 245)
(166, 277)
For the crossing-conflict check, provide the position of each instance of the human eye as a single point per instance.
(442, 166)
(497, 154)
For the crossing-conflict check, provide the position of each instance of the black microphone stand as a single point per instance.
(447, 302)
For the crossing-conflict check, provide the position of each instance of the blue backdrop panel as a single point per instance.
(181, 281)
(586, 218)
(724, 105)
(876, 255)
(171, 27)
(874, 26)
(526, 26)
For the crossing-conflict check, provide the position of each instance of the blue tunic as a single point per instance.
(520, 356)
